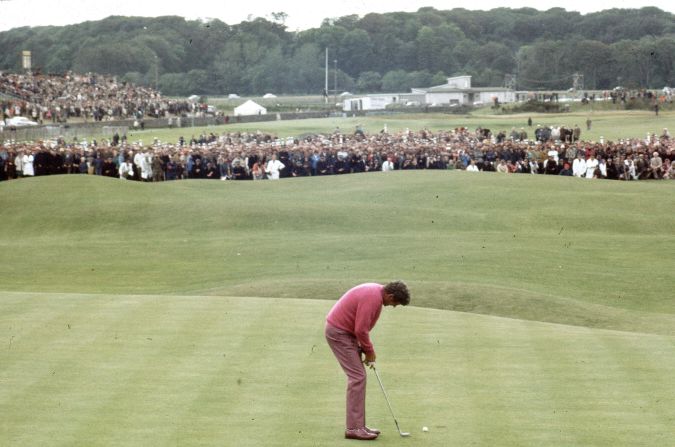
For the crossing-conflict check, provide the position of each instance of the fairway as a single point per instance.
(191, 313)
(96, 370)
(607, 125)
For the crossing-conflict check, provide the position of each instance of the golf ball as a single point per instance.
(425, 428)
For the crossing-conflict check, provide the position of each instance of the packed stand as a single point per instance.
(89, 97)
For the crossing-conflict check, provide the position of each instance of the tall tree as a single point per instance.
(629, 46)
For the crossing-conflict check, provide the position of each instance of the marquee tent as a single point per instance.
(250, 108)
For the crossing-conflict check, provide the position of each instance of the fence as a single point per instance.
(68, 132)
(79, 131)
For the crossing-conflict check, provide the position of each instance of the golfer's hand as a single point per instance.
(370, 358)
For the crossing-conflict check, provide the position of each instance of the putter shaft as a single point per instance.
(386, 398)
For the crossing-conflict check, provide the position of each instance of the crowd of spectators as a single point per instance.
(622, 95)
(90, 97)
(256, 156)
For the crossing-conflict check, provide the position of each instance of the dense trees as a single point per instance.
(378, 52)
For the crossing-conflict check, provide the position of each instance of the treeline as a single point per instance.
(388, 52)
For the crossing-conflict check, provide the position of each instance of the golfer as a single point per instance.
(348, 325)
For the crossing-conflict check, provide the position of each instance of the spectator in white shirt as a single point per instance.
(472, 166)
(579, 166)
(274, 167)
(388, 165)
(591, 165)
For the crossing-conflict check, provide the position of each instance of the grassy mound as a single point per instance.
(588, 253)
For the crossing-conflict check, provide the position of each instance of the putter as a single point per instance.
(402, 433)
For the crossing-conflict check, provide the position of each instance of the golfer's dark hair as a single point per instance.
(399, 291)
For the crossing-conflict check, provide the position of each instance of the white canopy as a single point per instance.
(250, 108)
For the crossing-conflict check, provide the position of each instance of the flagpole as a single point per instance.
(325, 90)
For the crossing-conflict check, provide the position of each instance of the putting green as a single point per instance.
(102, 370)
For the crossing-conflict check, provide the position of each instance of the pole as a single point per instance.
(325, 89)
(335, 80)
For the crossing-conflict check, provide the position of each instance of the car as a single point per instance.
(19, 121)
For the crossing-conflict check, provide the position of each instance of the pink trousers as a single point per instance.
(346, 350)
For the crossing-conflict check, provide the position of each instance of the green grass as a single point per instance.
(110, 370)
(612, 125)
(280, 103)
(191, 313)
(551, 249)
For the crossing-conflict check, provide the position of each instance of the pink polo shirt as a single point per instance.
(357, 312)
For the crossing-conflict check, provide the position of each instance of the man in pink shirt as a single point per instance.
(348, 325)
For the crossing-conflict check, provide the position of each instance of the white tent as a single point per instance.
(269, 95)
(250, 108)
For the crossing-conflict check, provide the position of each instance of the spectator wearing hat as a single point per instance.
(238, 170)
(566, 170)
(642, 167)
(27, 168)
(551, 167)
(8, 168)
(655, 166)
(18, 163)
(157, 169)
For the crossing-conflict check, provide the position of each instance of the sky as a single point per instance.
(302, 14)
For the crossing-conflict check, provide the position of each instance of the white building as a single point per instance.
(381, 101)
(457, 91)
